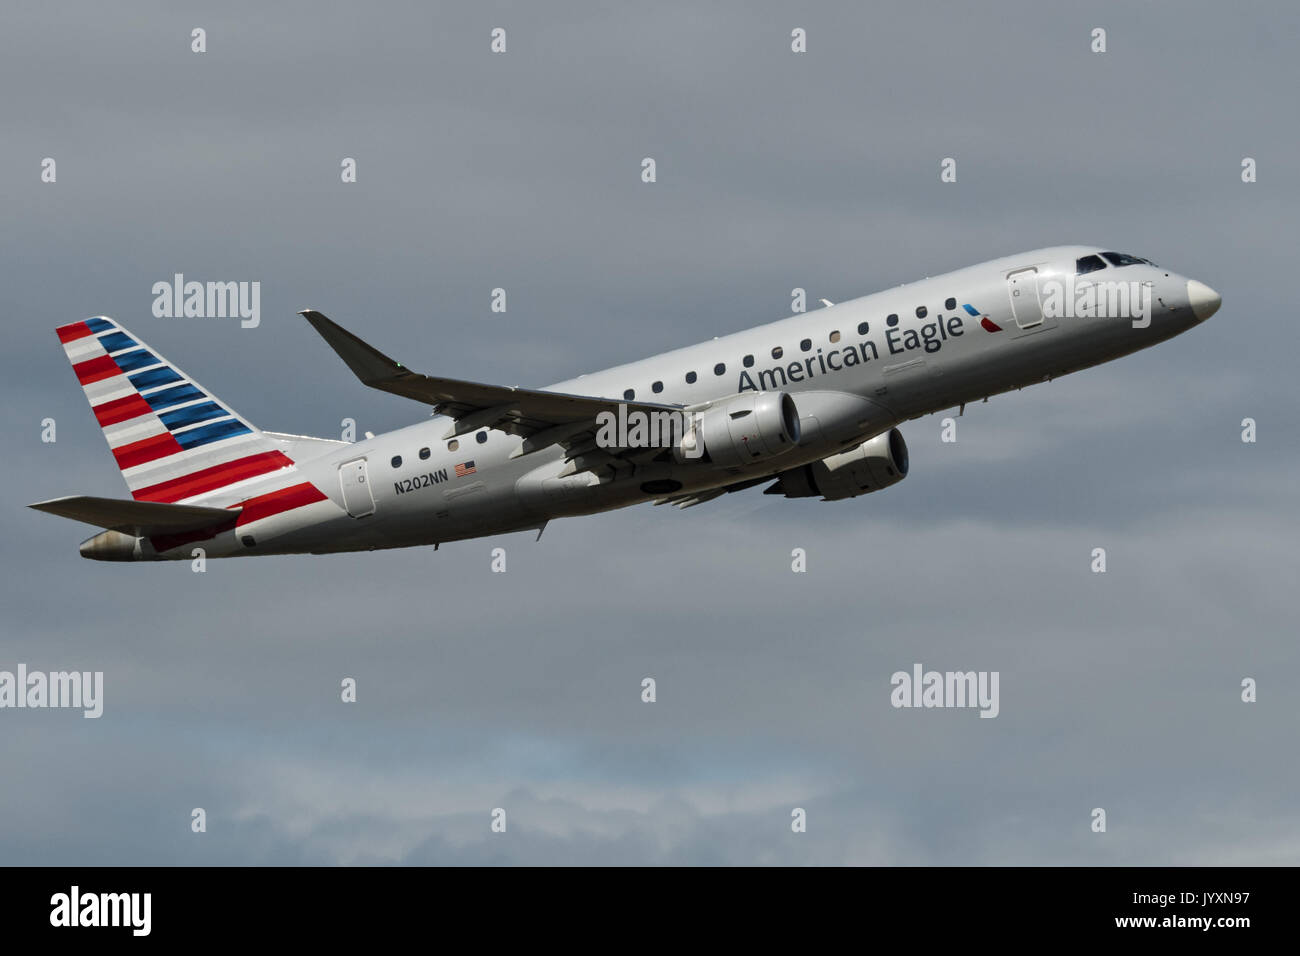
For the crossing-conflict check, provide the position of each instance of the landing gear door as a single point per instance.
(1027, 308)
(356, 488)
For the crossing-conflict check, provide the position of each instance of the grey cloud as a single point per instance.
(522, 690)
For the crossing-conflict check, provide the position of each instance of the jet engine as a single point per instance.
(742, 429)
(865, 468)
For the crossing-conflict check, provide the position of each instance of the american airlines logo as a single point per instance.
(1068, 299)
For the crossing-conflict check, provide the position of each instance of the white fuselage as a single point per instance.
(854, 369)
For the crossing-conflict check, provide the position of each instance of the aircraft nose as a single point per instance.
(1203, 300)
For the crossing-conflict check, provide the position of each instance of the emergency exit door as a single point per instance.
(1025, 304)
(356, 488)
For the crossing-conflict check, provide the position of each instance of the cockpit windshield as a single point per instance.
(1088, 264)
(1120, 259)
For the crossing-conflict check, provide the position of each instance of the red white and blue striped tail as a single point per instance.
(173, 439)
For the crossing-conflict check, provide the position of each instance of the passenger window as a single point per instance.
(749, 361)
(950, 303)
(690, 378)
(453, 445)
(424, 454)
(628, 395)
(397, 461)
(719, 369)
(920, 312)
(863, 328)
(657, 387)
(481, 437)
(805, 345)
(777, 352)
(1088, 264)
(891, 320)
(835, 336)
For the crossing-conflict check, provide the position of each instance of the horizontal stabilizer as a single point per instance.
(141, 518)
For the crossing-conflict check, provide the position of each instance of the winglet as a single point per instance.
(367, 362)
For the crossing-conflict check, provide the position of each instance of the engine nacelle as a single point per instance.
(743, 429)
(865, 468)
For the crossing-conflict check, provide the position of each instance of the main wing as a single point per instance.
(542, 418)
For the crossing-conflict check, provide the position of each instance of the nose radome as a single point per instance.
(1203, 300)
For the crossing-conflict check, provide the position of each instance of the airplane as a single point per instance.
(810, 403)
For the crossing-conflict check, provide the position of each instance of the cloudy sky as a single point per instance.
(775, 170)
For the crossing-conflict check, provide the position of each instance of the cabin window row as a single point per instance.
(452, 445)
(804, 346)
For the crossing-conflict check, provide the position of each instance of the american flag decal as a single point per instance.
(464, 468)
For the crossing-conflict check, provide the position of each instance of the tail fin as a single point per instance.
(172, 438)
